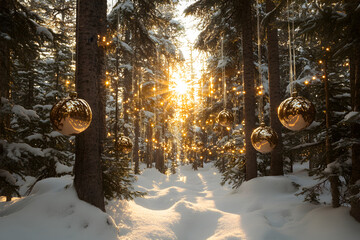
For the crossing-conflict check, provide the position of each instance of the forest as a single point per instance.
(101, 99)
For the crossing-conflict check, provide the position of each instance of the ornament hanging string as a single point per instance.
(293, 42)
(223, 70)
(292, 69)
(260, 90)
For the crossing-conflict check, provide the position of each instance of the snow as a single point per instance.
(351, 117)
(61, 168)
(187, 205)
(36, 136)
(17, 151)
(193, 205)
(8, 177)
(53, 211)
(26, 114)
(126, 47)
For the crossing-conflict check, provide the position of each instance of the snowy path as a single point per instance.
(181, 206)
(191, 205)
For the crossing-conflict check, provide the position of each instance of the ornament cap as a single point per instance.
(73, 95)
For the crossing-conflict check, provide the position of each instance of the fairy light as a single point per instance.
(306, 82)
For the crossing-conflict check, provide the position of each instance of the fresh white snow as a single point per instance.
(189, 205)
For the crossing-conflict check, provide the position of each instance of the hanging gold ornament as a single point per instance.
(225, 118)
(124, 145)
(264, 139)
(296, 113)
(71, 116)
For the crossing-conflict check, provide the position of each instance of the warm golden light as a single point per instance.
(180, 87)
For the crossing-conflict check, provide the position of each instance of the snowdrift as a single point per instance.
(189, 205)
(53, 211)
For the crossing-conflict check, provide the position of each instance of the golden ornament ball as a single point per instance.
(225, 118)
(296, 113)
(71, 116)
(264, 139)
(124, 145)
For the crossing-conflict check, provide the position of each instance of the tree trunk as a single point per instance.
(276, 163)
(249, 85)
(136, 127)
(116, 124)
(4, 66)
(127, 84)
(90, 81)
(149, 151)
(333, 179)
(355, 177)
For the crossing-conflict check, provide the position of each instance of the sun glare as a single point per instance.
(181, 87)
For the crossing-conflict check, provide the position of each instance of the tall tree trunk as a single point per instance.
(136, 126)
(127, 84)
(248, 61)
(334, 180)
(90, 81)
(355, 177)
(149, 149)
(116, 124)
(276, 163)
(5, 78)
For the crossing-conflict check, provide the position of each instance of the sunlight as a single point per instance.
(181, 87)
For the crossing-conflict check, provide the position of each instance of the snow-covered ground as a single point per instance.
(190, 205)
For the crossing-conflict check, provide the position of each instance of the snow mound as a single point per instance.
(268, 185)
(193, 205)
(53, 211)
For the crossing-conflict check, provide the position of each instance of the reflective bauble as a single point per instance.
(124, 145)
(71, 116)
(225, 118)
(296, 113)
(264, 139)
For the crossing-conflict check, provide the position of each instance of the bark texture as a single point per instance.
(276, 163)
(90, 81)
(249, 85)
(355, 177)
